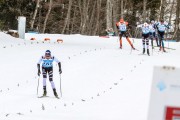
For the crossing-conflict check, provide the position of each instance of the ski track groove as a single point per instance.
(69, 58)
(72, 103)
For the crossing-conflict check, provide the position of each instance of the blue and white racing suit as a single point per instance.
(47, 66)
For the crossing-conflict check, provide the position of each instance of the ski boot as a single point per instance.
(143, 50)
(55, 93)
(148, 52)
(164, 50)
(160, 48)
(133, 47)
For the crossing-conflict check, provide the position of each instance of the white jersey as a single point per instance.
(145, 30)
(47, 62)
(151, 28)
(122, 27)
(162, 27)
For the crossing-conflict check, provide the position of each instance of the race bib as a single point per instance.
(47, 63)
(161, 28)
(145, 30)
(151, 28)
(122, 27)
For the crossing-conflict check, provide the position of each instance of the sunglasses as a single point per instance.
(47, 55)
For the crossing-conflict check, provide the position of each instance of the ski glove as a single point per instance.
(60, 71)
(39, 72)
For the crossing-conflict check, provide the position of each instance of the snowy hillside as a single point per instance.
(99, 80)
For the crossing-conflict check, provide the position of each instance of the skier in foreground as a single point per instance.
(47, 67)
(122, 27)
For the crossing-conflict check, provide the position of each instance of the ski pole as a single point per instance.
(118, 39)
(60, 85)
(131, 51)
(131, 36)
(38, 85)
(152, 45)
(167, 37)
(168, 44)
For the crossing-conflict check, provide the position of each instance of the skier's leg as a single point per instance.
(44, 80)
(160, 41)
(50, 72)
(157, 41)
(151, 38)
(163, 42)
(127, 38)
(52, 82)
(143, 43)
(152, 42)
(147, 45)
(120, 40)
(156, 38)
(130, 42)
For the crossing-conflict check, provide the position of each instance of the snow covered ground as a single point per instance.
(99, 81)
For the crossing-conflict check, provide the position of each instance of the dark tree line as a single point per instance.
(90, 17)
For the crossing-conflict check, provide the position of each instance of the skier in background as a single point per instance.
(161, 27)
(122, 27)
(47, 68)
(153, 33)
(145, 36)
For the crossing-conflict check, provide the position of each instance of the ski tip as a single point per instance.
(135, 49)
(57, 97)
(46, 97)
(42, 96)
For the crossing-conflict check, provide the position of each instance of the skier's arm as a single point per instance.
(140, 26)
(129, 27)
(156, 25)
(167, 26)
(59, 64)
(60, 70)
(38, 66)
(39, 72)
(117, 25)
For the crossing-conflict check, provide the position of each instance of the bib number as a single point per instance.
(162, 28)
(47, 64)
(123, 28)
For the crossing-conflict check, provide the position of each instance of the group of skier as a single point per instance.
(153, 31)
